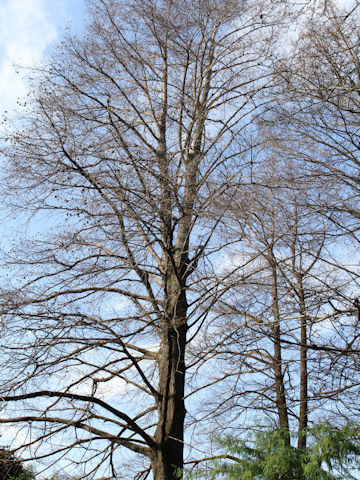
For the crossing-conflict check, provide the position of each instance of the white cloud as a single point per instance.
(106, 390)
(12, 436)
(345, 3)
(27, 28)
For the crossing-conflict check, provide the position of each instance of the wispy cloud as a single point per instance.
(27, 28)
(346, 3)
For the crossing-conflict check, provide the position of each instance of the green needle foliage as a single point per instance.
(332, 454)
(11, 467)
(26, 474)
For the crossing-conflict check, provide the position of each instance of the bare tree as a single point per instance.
(315, 123)
(316, 117)
(289, 336)
(130, 137)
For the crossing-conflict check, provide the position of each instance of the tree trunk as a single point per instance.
(278, 372)
(167, 461)
(303, 414)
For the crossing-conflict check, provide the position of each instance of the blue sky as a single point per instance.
(27, 29)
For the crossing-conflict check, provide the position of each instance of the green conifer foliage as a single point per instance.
(11, 468)
(332, 454)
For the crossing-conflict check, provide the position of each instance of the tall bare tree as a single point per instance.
(316, 117)
(130, 136)
(289, 336)
(315, 122)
